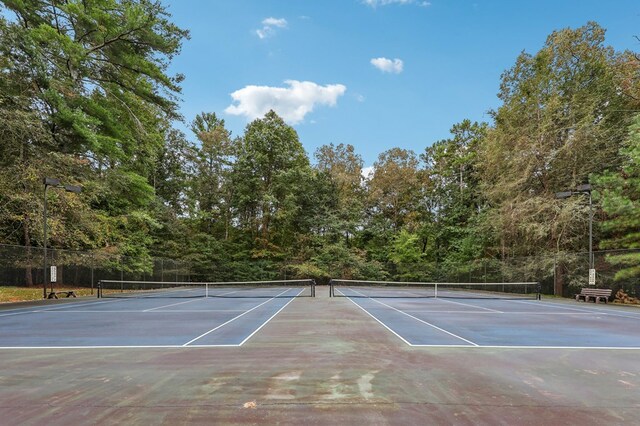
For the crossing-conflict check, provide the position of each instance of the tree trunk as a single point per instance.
(559, 280)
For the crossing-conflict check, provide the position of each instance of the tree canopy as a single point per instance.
(85, 95)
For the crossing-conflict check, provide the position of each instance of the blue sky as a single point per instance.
(372, 73)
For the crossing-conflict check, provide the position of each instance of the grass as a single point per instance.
(23, 294)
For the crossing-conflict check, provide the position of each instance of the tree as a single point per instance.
(343, 170)
(560, 122)
(90, 65)
(394, 189)
(85, 95)
(214, 161)
(268, 178)
(174, 172)
(453, 195)
(619, 192)
(393, 201)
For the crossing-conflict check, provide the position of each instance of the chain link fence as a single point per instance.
(560, 274)
(24, 267)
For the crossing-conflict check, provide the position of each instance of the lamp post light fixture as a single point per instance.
(584, 189)
(54, 183)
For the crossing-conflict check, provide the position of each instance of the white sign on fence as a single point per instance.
(54, 274)
(592, 277)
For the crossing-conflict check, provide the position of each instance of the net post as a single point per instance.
(206, 290)
(435, 294)
(99, 290)
(539, 291)
(313, 288)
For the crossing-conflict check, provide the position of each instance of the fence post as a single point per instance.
(92, 267)
(555, 273)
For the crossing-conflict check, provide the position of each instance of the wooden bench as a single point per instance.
(597, 294)
(54, 294)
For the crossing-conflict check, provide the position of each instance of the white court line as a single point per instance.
(119, 347)
(234, 318)
(270, 318)
(390, 293)
(72, 302)
(172, 311)
(422, 321)
(607, 348)
(182, 347)
(480, 347)
(170, 346)
(498, 312)
(380, 322)
(172, 304)
(589, 310)
(71, 306)
(56, 308)
(466, 304)
(188, 301)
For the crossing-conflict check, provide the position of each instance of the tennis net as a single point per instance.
(395, 289)
(246, 289)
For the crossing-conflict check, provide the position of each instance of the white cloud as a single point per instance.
(292, 103)
(367, 172)
(275, 22)
(269, 26)
(264, 32)
(376, 3)
(387, 65)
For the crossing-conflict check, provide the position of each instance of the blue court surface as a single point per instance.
(496, 323)
(142, 322)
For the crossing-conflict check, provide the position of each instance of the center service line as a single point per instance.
(270, 318)
(234, 318)
(188, 301)
(374, 317)
(473, 306)
(418, 319)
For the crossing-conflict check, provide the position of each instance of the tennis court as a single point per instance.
(148, 314)
(234, 354)
(489, 315)
(157, 314)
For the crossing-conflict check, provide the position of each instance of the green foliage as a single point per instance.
(342, 168)
(405, 248)
(454, 196)
(95, 67)
(268, 179)
(620, 199)
(337, 260)
(561, 120)
(85, 96)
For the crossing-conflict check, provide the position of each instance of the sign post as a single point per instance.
(592, 277)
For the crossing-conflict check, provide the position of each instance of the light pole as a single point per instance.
(54, 183)
(582, 190)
